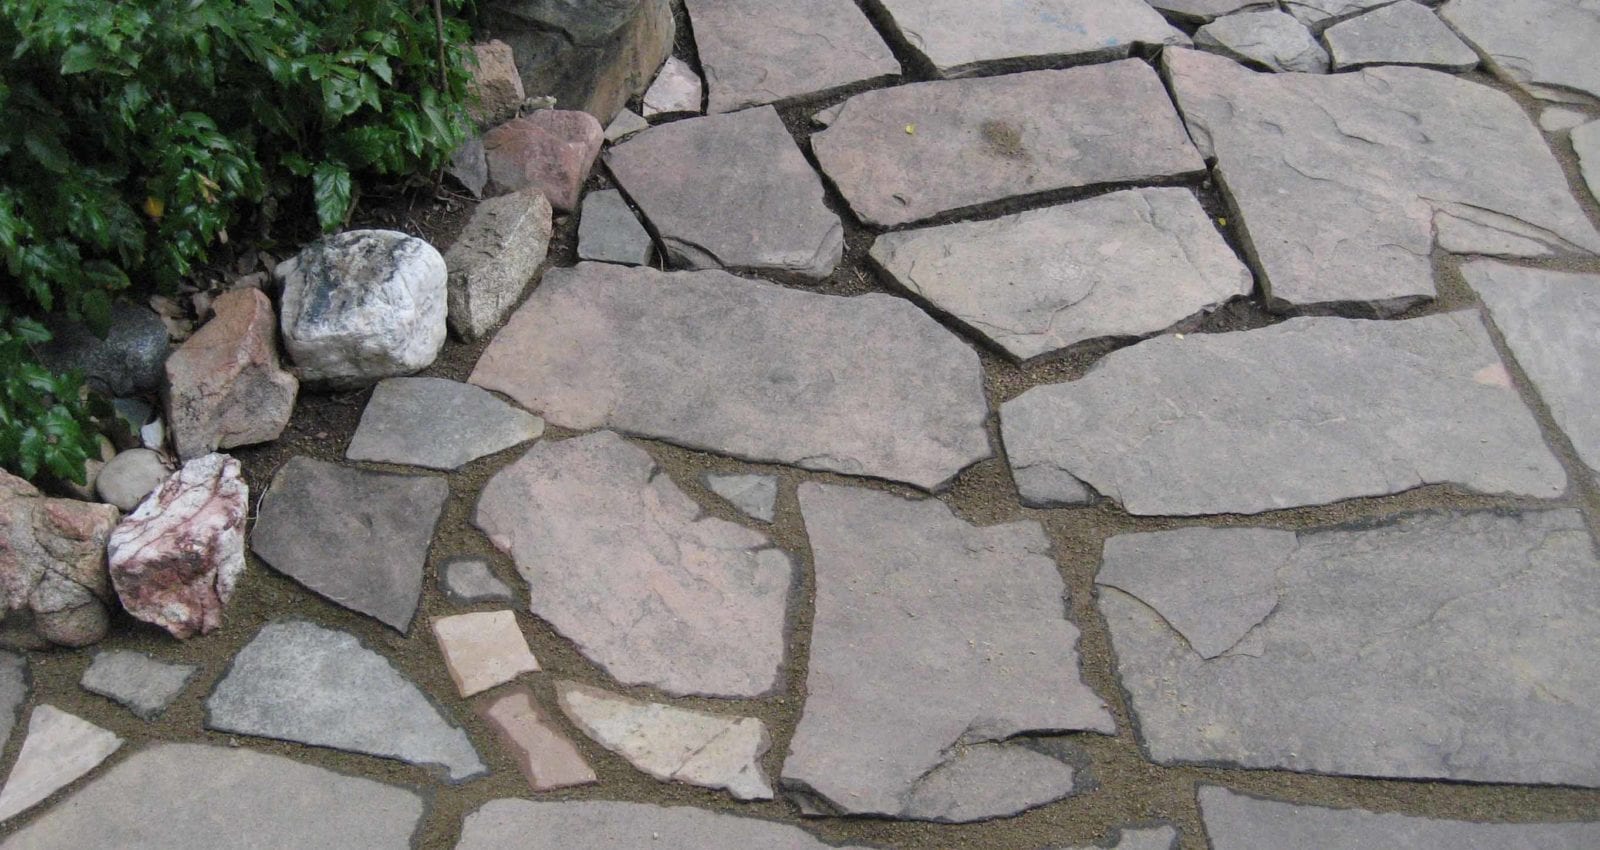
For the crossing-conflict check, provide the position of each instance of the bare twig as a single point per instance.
(438, 28)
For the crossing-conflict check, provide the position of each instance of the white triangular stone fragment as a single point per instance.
(60, 747)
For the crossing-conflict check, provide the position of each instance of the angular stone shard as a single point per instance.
(471, 580)
(495, 83)
(552, 150)
(165, 798)
(1586, 144)
(868, 385)
(483, 649)
(756, 53)
(60, 747)
(1546, 47)
(53, 579)
(296, 681)
(1341, 181)
(935, 644)
(1205, 11)
(674, 744)
(1559, 119)
(13, 692)
(1398, 34)
(754, 495)
(609, 232)
(731, 191)
(1306, 412)
(547, 759)
(1437, 646)
(1124, 264)
(358, 538)
(141, 683)
(626, 566)
(607, 825)
(225, 387)
(1270, 39)
(1319, 14)
(1152, 838)
(626, 124)
(908, 153)
(437, 424)
(676, 91)
(1237, 822)
(495, 258)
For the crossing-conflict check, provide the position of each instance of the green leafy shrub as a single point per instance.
(42, 416)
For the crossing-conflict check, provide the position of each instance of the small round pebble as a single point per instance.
(130, 477)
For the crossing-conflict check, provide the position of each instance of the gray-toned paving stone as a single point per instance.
(141, 683)
(1549, 320)
(1271, 39)
(1559, 119)
(59, 748)
(1319, 14)
(1401, 33)
(868, 385)
(962, 37)
(908, 153)
(754, 495)
(1237, 822)
(1206, 11)
(1586, 143)
(13, 692)
(935, 643)
(1438, 646)
(1340, 181)
(439, 424)
(1124, 264)
(754, 52)
(1152, 838)
(607, 825)
(624, 125)
(1307, 412)
(471, 580)
(609, 232)
(1544, 46)
(358, 538)
(297, 681)
(731, 191)
(191, 797)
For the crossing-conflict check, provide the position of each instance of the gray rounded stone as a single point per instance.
(470, 580)
(127, 361)
(131, 476)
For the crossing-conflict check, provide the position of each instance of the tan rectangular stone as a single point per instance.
(544, 755)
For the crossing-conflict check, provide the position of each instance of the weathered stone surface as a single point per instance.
(363, 305)
(470, 166)
(1586, 143)
(1398, 34)
(754, 495)
(1237, 822)
(1340, 181)
(225, 387)
(1319, 14)
(1152, 838)
(175, 561)
(731, 191)
(483, 649)
(141, 683)
(1559, 119)
(592, 55)
(495, 83)
(608, 825)
(358, 538)
(1548, 320)
(755, 52)
(296, 681)
(127, 361)
(438, 424)
(963, 37)
(52, 567)
(130, 476)
(470, 580)
(1425, 647)
(868, 385)
(1205, 11)
(13, 692)
(676, 91)
(973, 142)
(624, 125)
(494, 259)
(1124, 264)
(165, 797)
(1544, 46)
(935, 643)
(625, 565)
(551, 150)
(1271, 39)
(674, 744)
(60, 747)
(609, 232)
(547, 759)
(1306, 412)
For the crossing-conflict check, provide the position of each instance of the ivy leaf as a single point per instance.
(330, 188)
(77, 59)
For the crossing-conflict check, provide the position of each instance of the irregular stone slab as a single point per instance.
(1237, 822)
(142, 684)
(60, 747)
(1398, 34)
(1205, 11)
(547, 759)
(127, 361)
(131, 476)
(1306, 412)
(53, 580)
(609, 232)
(964, 37)
(626, 566)
(748, 369)
(296, 681)
(1548, 320)
(483, 649)
(165, 798)
(1586, 143)
(1546, 47)
(469, 166)
(1558, 119)
(494, 260)
(13, 692)
(496, 84)
(357, 538)
(608, 825)
(1154, 838)
(1324, 174)
(1327, 682)
(933, 642)
(470, 580)
(754, 495)
(551, 150)
(755, 53)
(1319, 14)
(626, 124)
(674, 744)
(974, 142)
(1270, 39)
(225, 387)
(676, 91)
(1124, 264)
(438, 424)
(731, 191)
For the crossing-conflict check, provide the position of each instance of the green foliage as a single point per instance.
(42, 416)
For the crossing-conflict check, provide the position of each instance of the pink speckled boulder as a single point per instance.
(52, 567)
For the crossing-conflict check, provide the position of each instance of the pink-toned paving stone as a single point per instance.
(547, 759)
(483, 649)
(551, 150)
(225, 387)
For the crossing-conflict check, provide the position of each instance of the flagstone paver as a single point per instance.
(609, 232)
(547, 759)
(868, 385)
(1152, 838)
(483, 649)
(1306, 412)
(676, 91)
(1272, 39)
(1319, 14)
(606, 825)
(1544, 46)
(13, 692)
(438, 424)
(143, 684)
(1340, 181)
(908, 153)
(1205, 11)
(1559, 119)
(1402, 33)
(1437, 646)
(59, 748)
(1124, 264)
(754, 495)
(471, 580)
(934, 644)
